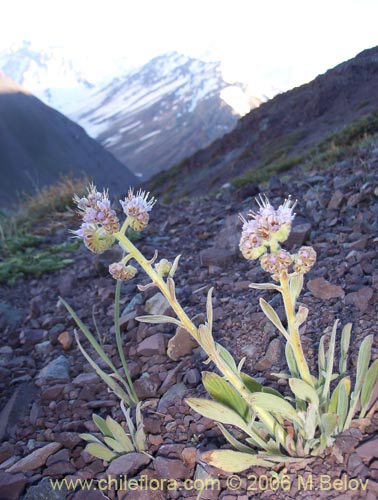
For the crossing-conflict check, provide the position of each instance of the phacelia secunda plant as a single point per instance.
(276, 427)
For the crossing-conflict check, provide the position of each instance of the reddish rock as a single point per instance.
(360, 299)
(36, 459)
(11, 485)
(299, 234)
(65, 339)
(128, 464)
(148, 386)
(181, 344)
(168, 468)
(336, 199)
(152, 345)
(368, 449)
(216, 256)
(323, 289)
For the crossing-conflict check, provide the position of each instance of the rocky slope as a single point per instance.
(39, 144)
(273, 136)
(44, 412)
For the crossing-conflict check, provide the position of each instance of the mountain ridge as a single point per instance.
(39, 144)
(279, 129)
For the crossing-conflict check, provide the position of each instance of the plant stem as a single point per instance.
(133, 395)
(295, 339)
(271, 424)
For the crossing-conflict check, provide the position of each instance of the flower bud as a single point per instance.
(95, 238)
(163, 267)
(276, 263)
(136, 207)
(121, 272)
(304, 260)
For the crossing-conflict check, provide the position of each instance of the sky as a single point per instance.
(269, 43)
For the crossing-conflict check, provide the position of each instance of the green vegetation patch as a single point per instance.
(334, 148)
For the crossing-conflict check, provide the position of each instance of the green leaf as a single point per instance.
(119, 434)
(158, 318)
(264, 286)
(290, 359)
(321, 360)
(330, 361)
(301, 315)
(222, 392)
(140, 439)
(226, 357)
(251, 384)
(275, 405)
(304, 391)
(114, 445)
(89, 336)
(100, 451)
(174, 266)
(216, 411)
(363, 361)
(296, 285)
(342, 405)
(332, 407)
(89, 438)
(102, 425)
(233, 461)
(344, 347)
(328, 423)
(209, 308)
(271, 314)
(234, 442)
(310, 421)
(368, 387)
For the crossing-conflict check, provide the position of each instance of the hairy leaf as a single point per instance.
(216, 411)
(224, 393)
(233, 461)
(100, 451)
(271, 314)
(304, 391)
(158, 318)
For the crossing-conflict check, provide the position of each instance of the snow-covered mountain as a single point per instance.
(155, 116)
(151, 117)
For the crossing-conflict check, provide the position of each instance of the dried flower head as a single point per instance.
(276, 263)
(304, 260)
(95, 238)
(95, 208)
(136, 207)
(121, 272)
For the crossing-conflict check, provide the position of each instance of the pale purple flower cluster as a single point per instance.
(100, 222)
(121, 272)
(95, 209)
(136, 207)
(268, 227)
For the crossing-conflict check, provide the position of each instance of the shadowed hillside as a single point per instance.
(275, 136)
(39, 144)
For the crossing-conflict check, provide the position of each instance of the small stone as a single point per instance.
(272, 357)
(181, 344)
(6, 451)
(189, 456)
(336, 199)
(31, 337)
(61, 468)
(192, 377)
(54, 332)
(173, 395)
(368, 449)
(323, 289)
(86, 378)
(147, 386)
(152, 345)
(354, 199)
(16, 409)
(58, 368)
(45, 490)
(168, 468)
(65, 340)
(157, 304)
(128, 464)
(299, 234)
(36, 459)
(11, 485)
(360, 299)
(216, 256)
